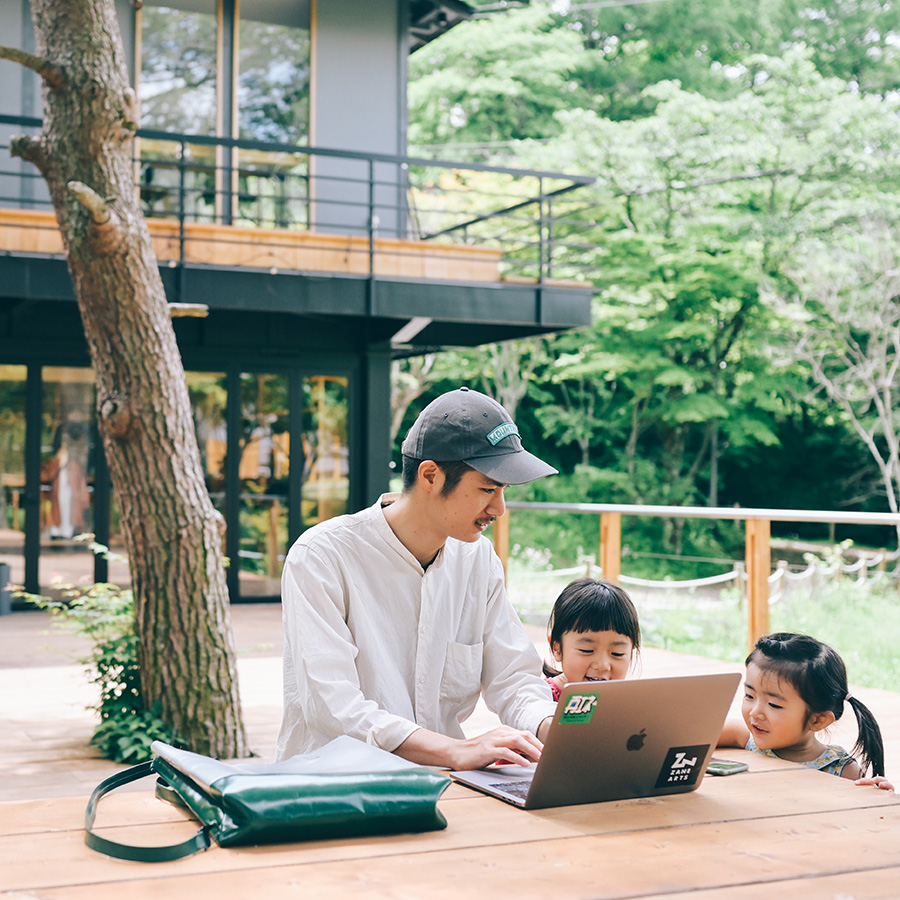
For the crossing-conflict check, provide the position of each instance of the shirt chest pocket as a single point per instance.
(462, 672)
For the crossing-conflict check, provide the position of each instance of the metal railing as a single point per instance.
(530, 217)
(759, 574)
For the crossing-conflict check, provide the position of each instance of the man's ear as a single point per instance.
(818, 721)
(429, 475)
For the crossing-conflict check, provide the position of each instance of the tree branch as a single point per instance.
(30, 148)
(92, 202)
(118, 416)
(53, 74)
(107, 230)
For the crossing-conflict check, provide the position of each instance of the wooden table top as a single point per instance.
(780, 827)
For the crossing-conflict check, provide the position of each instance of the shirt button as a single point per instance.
(421, 679)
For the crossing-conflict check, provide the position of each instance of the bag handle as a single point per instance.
(200, 841)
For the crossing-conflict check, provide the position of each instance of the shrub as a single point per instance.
(104, 613)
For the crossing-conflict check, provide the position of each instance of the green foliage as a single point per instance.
(462, 89)
(502, 77)
(739, 156)
(104, 613)
(126, 737)
(860, 619)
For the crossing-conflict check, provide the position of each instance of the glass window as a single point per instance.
(209, 398)
(177, 87)
(12, 471)
(67, 473)
(263, 472)
(273, 105)
(273, 72)
(177, 84)
(326, 452)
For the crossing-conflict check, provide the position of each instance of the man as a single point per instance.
(396, 618)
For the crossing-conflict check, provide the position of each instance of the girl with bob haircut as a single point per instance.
(593, 634)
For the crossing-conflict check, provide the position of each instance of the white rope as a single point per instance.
(695, 582)
(590, 569)
(808, 572)
(553, 573)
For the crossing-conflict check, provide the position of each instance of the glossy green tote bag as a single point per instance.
(345, 789)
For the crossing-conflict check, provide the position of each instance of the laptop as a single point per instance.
(614, 740)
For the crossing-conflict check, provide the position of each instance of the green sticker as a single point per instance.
(579, 708)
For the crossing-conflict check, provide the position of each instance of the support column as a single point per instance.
(611, 546)
(759, 564)
(501, 540)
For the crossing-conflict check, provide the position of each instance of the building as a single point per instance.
(272, 168)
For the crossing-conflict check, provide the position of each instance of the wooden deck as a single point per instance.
(32, 231)
(778, 828)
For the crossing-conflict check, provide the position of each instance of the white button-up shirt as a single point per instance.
(375, 647)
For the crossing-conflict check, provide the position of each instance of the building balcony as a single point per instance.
(426, 252)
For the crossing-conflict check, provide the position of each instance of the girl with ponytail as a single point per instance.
(795, 688)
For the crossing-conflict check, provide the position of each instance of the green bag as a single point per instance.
(345, 789)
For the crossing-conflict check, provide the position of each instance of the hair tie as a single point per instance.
(848, 698)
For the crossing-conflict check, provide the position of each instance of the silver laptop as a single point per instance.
(613, 740)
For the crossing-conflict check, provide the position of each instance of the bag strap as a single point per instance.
(200, 841)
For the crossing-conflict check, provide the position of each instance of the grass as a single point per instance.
(861, 620)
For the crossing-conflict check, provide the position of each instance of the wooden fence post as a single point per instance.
(759, 564)
(501, 539)
(611, 545)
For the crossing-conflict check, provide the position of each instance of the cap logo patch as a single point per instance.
(502, 431)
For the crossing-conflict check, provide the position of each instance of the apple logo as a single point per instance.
(636, 741)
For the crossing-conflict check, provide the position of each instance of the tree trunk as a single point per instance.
(172, 532)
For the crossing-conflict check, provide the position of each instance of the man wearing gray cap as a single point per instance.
(396, 618)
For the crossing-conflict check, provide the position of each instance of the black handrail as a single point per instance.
(525, 241)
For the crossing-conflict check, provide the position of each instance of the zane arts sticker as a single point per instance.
(682, 765)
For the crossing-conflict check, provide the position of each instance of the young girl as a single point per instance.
(796, 687)
(593, 633)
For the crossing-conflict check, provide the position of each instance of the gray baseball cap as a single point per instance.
(464, 425)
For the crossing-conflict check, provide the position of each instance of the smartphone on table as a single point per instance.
(725, 767)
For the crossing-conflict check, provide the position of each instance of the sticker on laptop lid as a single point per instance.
(579, 708)
(682, 765)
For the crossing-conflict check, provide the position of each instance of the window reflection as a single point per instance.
(326, 452)
(12, 471)
(273, 105)
(67, 474)
(178, 93)
(209, 397)
(273, 75)
(177, 85)
(263, 472)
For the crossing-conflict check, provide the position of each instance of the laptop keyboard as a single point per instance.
(516, 788)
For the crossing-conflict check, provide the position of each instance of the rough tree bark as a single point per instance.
(172, 532)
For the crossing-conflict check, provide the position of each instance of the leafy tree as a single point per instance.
(731, 145)
(462, 87)
(848, 307)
